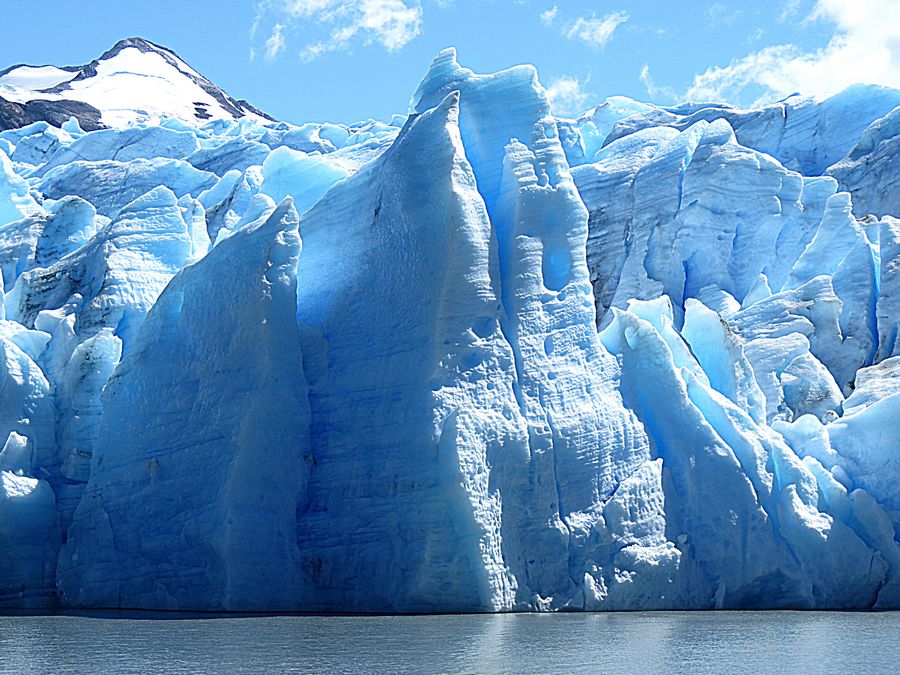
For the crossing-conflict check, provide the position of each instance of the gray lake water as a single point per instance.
(723, 642)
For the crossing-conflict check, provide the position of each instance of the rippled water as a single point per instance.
(759, 642)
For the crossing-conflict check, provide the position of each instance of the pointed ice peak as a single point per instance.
(448, 108)
(285, 215)
(157, 197)
(442, 73)
(451, 101)
(446, 74)
(444, 59)
(446, 53)
(493, 110)
(436, 128)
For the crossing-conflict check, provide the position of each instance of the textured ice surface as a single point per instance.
(805, 134)
(871, 171)
(109, 184)
(226, 326)
(43, 238)
(646, 358)
(122, 146)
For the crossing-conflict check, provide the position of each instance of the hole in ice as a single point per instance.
(555, 267)
(483, 327)
(472, 360)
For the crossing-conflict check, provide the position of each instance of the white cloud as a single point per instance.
(719, 15)
(864, 48)
(567, 95)
(307, 7)
(756, 35)
(275, 43)
(594, 31)
(549, 16)
(652, 88)
(392, 24)
(791, 8)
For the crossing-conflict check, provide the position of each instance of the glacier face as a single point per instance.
(478, 358)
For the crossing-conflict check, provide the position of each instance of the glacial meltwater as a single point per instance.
(757, 642)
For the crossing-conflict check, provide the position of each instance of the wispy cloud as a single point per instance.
(596, 31)
(652, 88)
(865, 47)
(756, 35)
(549, 16)
(391, 24)
(718, 14)
(568, 95)
(306, 7)
(791, 9)
(275, 42)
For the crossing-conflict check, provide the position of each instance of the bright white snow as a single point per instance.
(28, 79)
(132, 85)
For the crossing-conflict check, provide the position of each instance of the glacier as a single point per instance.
(476, 358)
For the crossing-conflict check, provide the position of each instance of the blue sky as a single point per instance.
(343, 60)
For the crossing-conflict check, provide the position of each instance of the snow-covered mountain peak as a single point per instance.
(136, 81)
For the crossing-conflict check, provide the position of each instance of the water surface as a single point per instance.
(714, 642)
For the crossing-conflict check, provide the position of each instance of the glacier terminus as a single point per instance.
(476, 358)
